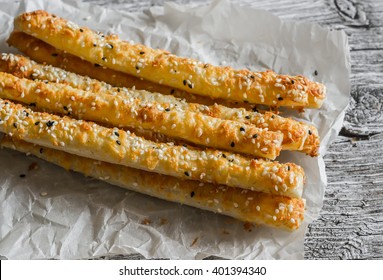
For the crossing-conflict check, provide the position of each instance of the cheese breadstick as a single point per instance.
(296, 135)
(44, 53)
(165, 118)
(248, 206)
(88, 139)
(162, 67)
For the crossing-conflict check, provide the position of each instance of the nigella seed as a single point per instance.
(288, 168)
(97, 65)
(22, 175)
(137, 68)
(81, 30)
(172, 91)
(310, 132)
(41, 150)
(15, 125)
(118, 142)
(142, 52)
(192, 194)
(185, 145)
(247, 117)
(292, 81)
(232, 144)
(50, 123)
(224, 156)
(167, 109)
(187, 173)
(190, 85)
(255, 110)
(184, 82)
(242, 129)
(280, 98)
(117, 134)
(55, 54)
(104, 58)
(118, 90)
(37, 123)
(94, 45)
(272, 116)
(252, 76)
(255, 135)
(65, 108)
(316, 73)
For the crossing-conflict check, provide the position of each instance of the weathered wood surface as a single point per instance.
(351, 222)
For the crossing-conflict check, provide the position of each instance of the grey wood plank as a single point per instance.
(351, 221)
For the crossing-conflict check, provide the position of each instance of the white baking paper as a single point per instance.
(52, 213)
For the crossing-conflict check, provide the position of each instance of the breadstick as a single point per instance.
(88, 139)
(248, 206)
(296, 135)
(161, 67)
(133, 112)
(45, 53)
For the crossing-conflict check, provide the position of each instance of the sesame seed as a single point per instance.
(258, 208)
(292, 220)
(274, 218)
(235, 205)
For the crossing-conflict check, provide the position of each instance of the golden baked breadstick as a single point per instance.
(45, 53)
(88, 139)
(165, 118)
(162, 67)
(297, 135)
(248, 206)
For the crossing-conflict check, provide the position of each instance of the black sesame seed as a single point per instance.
(30, 104)
(190, 85)
(231, 160)
(224, 156)
(242, 129)
(55, 54)
(272, 116)
(247, 117)
(94, 45)
(137, 68)
(192, 194)
(255, 109)
(288, 168)
(37, 123)
(41, 150)
(255, 135)
(280, 98)
(117, 134)
(81, 30)
(232, 144)
(310, 132)
(118, 142)
(65, 108)
(185, 145)
(184, 82)
(292, 81)
(118, 89)
(252, 76)
(22, 175)
(172, 91)
(187, 173)
(316, 73)
(15, 125)
(50, 123)
(142, 52)
(97, 65)
(167, 109)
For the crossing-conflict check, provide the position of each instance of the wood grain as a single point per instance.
(351, 222)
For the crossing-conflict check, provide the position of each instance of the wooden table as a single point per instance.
(351, 222)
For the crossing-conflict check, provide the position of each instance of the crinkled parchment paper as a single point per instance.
(52, 213)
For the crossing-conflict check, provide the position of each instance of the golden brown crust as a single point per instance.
(122, 147)
(164, 68)
(128, 111)
(249, 206)
(296, 135)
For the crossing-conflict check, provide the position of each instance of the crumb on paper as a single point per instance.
(163, 221)
(194, 241)
(248, 226)
(146, 222)
(43, 193)
(33, 166)
(224, 231)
